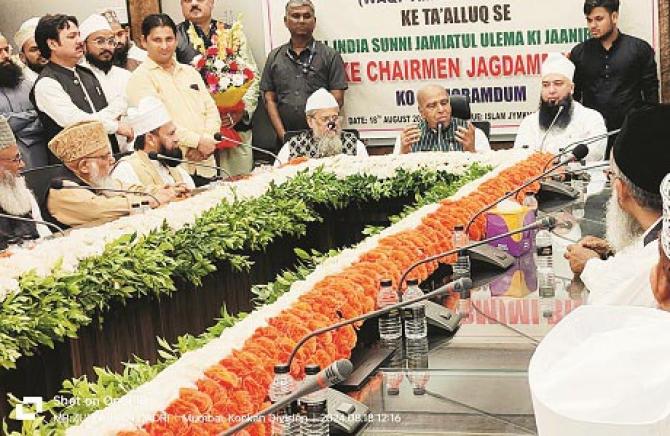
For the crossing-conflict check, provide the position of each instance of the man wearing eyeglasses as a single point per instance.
(297, 69)
(15, 198)
(616, 270)
(99, 46)
(325, 136)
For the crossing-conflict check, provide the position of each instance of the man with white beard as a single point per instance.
(15, 198)
(86, 153)
(325, 136)
(641, 158)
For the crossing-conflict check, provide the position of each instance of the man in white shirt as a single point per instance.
(156, 133)
(438, 130)
(99, 45)
(65, 92)
(325, 136)
(549, 130)
(29, 54)
(660, 275)
(641, 158)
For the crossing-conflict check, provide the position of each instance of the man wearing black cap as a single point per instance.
(641, 158)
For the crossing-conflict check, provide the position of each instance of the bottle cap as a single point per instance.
(412, 282)
(312, 369)
(419, 391)
(459, 228)
(281, 368)
(145, 202)
(393, 391)
(386, 282)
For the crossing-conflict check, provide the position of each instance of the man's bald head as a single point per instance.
(434, 106)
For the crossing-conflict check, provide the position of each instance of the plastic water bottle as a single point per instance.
(578, 206)
(314, 408)
(414, 315)
(417, 363)
(145, 207)
(544, 262)
(135, 209)
(462, 266)
(389, 324)
(283, 421)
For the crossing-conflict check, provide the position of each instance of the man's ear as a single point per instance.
(83, 166)
(52, 43)
(311, 122)
(615, 17)
(623, 194)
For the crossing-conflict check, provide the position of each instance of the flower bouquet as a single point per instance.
(225, 72)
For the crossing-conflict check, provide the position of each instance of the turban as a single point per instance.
(94, 23)
(25, 32)
(149, 115)
(556, 63)
(641, 150)
(79, 140)
(321, 99)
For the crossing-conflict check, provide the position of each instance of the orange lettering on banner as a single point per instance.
(413, 69)
(506, 65)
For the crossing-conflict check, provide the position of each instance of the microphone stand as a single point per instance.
(586, 141)
(162, 157)
(121, 191)
(551, 126)
(220, 137)
(44, 223)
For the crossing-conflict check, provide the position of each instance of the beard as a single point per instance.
(622, 229)
(105, 66)
(548, 112)
(15, 197)
(329, 144)
(103, 181)
(120, 58)
(175, 153)
(10, 74)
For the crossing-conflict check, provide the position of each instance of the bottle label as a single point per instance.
(544, 251)
(412, 313)
(392, 314)
(313, 410)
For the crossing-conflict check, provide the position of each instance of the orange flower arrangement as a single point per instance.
(238, 384)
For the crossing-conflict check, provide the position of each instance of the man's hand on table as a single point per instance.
(577, 256)
(600, 246)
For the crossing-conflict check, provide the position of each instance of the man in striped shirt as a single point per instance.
(438, 130)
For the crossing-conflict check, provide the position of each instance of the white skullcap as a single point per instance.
(149, 115)
(94, 23)
(556, 63)
(25, 32)
(603, 371)
(321, 99)
(665, 234)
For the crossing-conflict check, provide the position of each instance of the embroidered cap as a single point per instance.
(150, 114)
(321, 99)
(79, 140)
(556, 63)
(7, 138)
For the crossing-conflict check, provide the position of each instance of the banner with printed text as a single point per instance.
(488, 50)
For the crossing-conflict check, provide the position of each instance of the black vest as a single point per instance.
(14, 231)
(72, 86)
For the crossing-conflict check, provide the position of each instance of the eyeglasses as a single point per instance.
(15, 159)
(329, 119)
(100, 41)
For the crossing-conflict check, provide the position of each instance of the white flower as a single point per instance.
(224, 82)
(238, 79)
(219, 65)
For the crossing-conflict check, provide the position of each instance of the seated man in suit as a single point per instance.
(16, 200)
(325, 136)
(438, 130)
(78, 195)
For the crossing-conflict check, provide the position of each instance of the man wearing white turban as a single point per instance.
(549, 130)
(29, 53)
(325, 136)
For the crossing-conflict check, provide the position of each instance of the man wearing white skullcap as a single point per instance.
(660, 275)
(29, 54)
(99, 45)
(325, 136)
(15, 198)
(549, 130)
(156, 133)
(603, 371)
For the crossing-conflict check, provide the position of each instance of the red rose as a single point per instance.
(233, 66)
(229, 51)
(248, 74)
(213, 51)
(200, 63)
(212, 79)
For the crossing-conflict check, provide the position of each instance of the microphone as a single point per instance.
(568, 148)
(458, 286)
(551, 126)
(220, 137)
(58, 184)
(30, 220)
(579, 153)
(548, 222)
(337, 372)
(162, 158)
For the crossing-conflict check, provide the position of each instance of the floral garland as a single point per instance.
(201, 392)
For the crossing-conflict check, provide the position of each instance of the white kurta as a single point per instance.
(481, 142)
(623, 279)
(42, 230)
(586, 123)
(285, 153)
(124, 173)
(114, 85)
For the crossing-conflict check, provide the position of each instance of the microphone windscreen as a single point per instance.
(549, 222)
(153, 155)
(218, 137)
(463, 284)
(580, 152)
(57, 184)
(344, 368)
